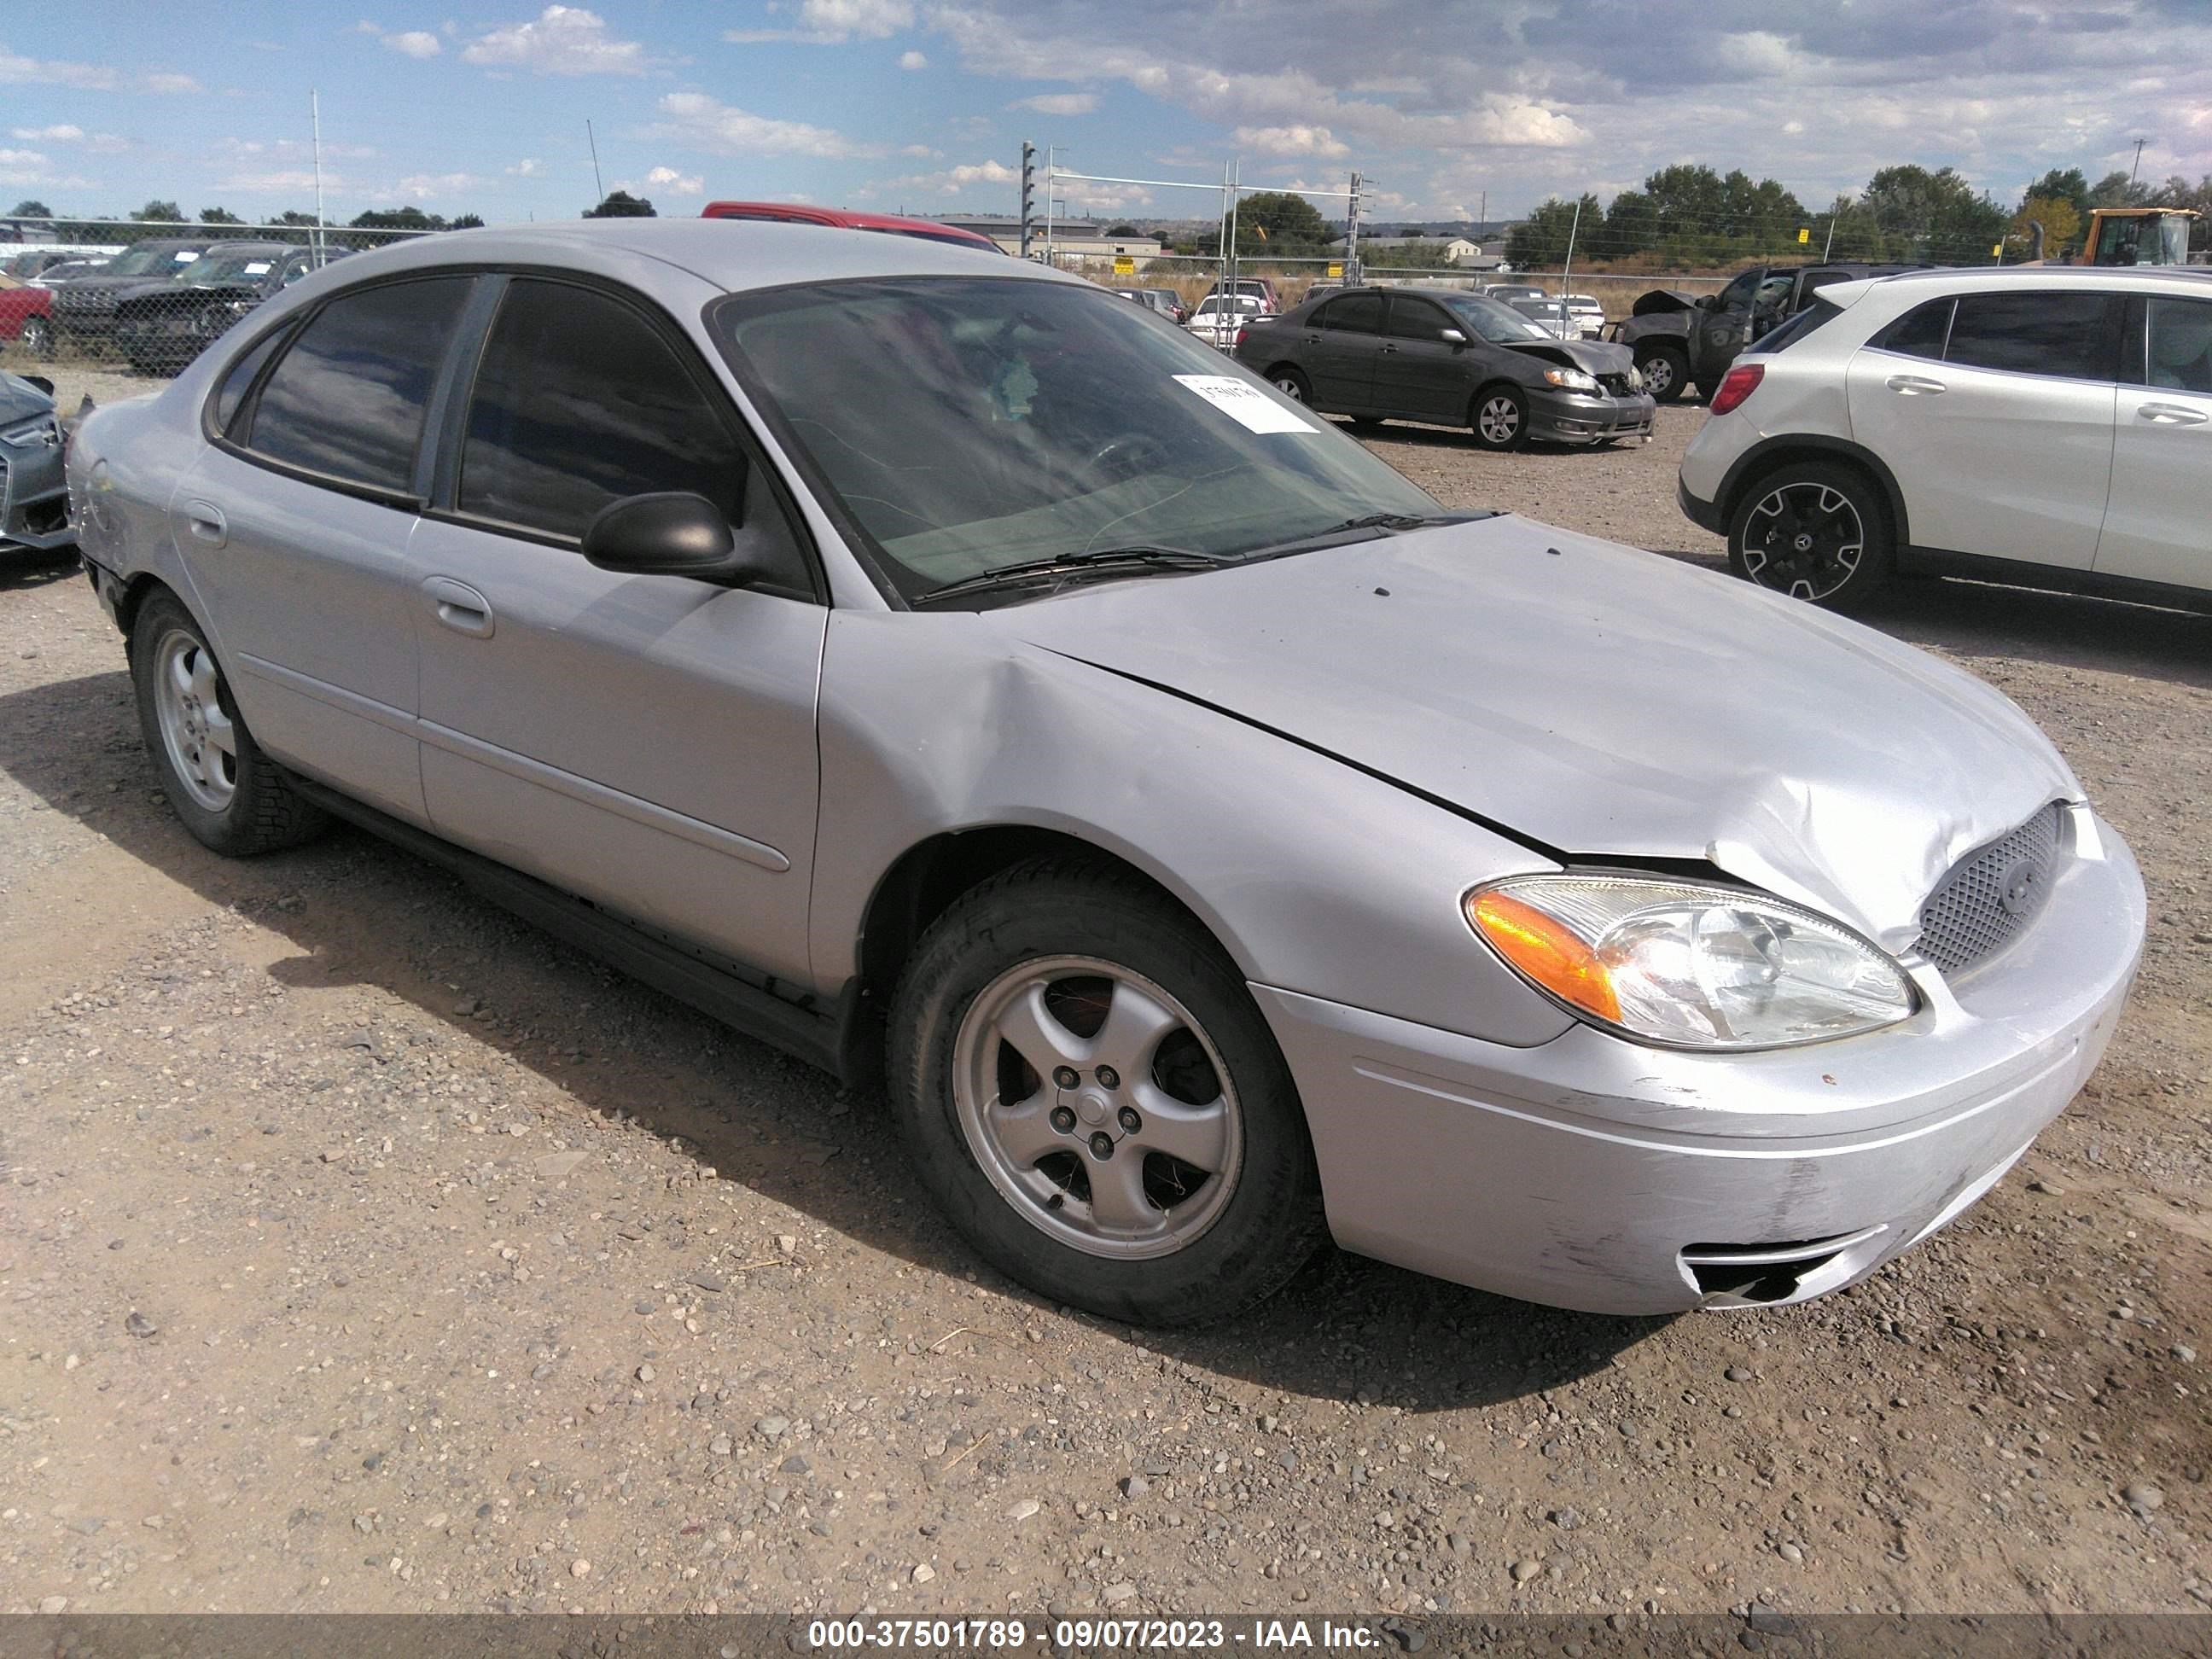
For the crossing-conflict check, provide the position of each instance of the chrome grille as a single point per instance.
(1991, 894)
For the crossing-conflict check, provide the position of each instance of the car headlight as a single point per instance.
(1573, 379)
(1688, 965)
(1635, 380)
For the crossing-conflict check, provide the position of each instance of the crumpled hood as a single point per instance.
(1663, 300)
(1591, 356)
(1595, 700)
(21, 401)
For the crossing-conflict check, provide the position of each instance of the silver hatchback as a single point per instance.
(966, 680)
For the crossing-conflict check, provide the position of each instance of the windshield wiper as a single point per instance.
(1066, 566)
(1391, 523)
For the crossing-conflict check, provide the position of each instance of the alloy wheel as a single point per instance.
(1499, 420)
(1804, 539)
(1658, 374)
(1291, 387)
(199, 733)
(1098, 1107)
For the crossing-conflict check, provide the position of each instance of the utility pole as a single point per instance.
(1051, 167)
(1573, 226)
(1029, 188)
(2137, 168)
(591, 138)
(1828, 247)
(1352, 235)
(315, 115)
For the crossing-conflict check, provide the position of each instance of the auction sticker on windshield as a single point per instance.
(1246, 403)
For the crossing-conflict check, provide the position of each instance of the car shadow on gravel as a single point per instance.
(359, 912)
(24, 566)
(1977, 619)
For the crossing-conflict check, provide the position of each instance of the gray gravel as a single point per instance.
(468, 1275)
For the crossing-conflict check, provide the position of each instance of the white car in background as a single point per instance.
(2049, 426)
(1218, 317)
(1588, 313)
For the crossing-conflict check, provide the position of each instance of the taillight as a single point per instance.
(1736, 385)
(1241, 333)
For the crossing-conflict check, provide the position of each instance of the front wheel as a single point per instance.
(1815, 532)
(1666, 371)
(1090, 1095)
(1499, 417)
(231, 797)
(39, 337)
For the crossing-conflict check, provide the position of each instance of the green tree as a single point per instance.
(1631, 225)
(467, 221)
(405, 218)
(294, 216)
(1280, 221)
(2116, 189)
(159, 211)
(1124, 228)
(621, 205)
(2062, 227)
(1933, 215)
(1540, 241)
(219, 215)
(2069, 184)
(31, 208)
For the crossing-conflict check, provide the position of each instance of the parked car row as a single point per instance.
(614, 565)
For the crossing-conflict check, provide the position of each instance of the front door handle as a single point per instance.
(459, 607)
(207, 522)
(1914, 386)
(2171, 414)
(1390, 346)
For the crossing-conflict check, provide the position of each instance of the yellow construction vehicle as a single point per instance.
(2138, 236)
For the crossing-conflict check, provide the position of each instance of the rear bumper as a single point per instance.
(1705, 515)
(1575, 418)
(1592, 1173)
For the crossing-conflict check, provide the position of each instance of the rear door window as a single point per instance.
(2071, 335)
(1921, 332)
(1356, 313)
(347, 399)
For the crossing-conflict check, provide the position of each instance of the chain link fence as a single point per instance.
(148, 295)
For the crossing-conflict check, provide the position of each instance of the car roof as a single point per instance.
(731, 255)
(1935, 282)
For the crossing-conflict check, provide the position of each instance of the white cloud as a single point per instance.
(428, 186)
(59, 134)
(413, 42)
(281, 180)
(560, 40)
(52, 72)
(982, 173)
(1297, 139)
(161, 81)
(528, 167)
(672, 182)
(694, 118)
(1059, 103)
(912, 60)
(832, 22)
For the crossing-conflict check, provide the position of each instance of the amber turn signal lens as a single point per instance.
(1546, 951)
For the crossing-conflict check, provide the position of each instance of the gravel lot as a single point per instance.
(361, 1249)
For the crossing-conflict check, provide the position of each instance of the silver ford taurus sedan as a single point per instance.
(962, 677)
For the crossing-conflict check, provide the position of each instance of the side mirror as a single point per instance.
(1451, 336)
(672, 534)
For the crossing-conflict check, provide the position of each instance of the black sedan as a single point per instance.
(1449, 358)
(162, 326)
(84, 306)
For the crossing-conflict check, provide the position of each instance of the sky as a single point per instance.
(1449, 106)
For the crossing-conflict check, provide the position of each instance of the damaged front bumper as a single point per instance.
(1577, 418)
(35, 509)
(1592, 1173)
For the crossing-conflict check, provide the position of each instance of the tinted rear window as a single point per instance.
(2074, 336)
(348, 398)
(1781, 339)
(1920, 332)
(1362, 313)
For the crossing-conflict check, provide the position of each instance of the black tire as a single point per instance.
(1666, 371)
(39, 337)
(1270, 1223)
(1367, 423)
(1498, 416)
(1793, 531)
(1292, 382)
(263, 811)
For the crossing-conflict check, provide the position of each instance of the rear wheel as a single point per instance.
(1499, 417)
(39, 337)
(1815, 532)
(1291, 383)
(1666, 371)
(231, 797)
(1090, 1095)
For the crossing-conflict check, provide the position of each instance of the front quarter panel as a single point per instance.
(1313, 876)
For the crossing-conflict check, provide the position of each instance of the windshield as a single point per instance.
(147, 260)
(231, 265)
(1498, 324)
(968, 424)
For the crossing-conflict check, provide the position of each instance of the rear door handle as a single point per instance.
(1389, 345)
(1914, 386)
(2171, 414)
(207, 523)
(459, 607)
